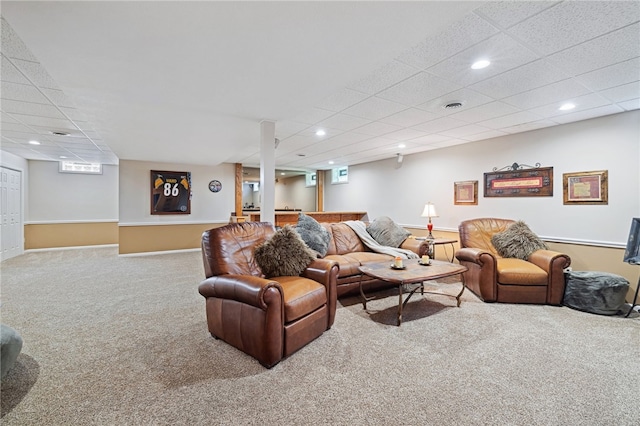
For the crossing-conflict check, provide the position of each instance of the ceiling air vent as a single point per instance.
(59, 133)
(452, 105)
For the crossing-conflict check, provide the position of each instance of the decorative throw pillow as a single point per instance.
(386, 232)
(284, 254)
(313, 234)
(517, 241)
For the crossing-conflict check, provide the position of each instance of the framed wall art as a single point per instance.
(170, 192)
(586, 187)
(465, 193)
(519, 180)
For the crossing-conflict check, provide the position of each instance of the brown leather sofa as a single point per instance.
(539, 279)
(268, 319)
(346, 248)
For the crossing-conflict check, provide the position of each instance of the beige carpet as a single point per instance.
(114, 340)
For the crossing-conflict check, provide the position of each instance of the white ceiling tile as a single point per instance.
(377, 128)
(36, 73)
(468, 31)
(430, 139)
(58, 98)
(22, 92)
(484, 135)
(611, 76)
(6, 118)
(617, 46)
(590, 113)
(623, 93)
(409, 117)
(630, 105)
(341, 100)
(503, 51)
(45, 122)
(349, 138)
(510, 120)
(313, 115)
(74, 114)
(548, 32)
(11, 74)
(287, 128)
(406, 134)
(484, 112)
(592, 100)
(383, 77)
(469, 98)
(440, 124)
(525, 127)
(554, 92)
(418, 89)
(508, 13)
(374, 108)
(344, 122)
(12, 45)
(521, 79)
(461, 132)
(450, 142)
(29, 108)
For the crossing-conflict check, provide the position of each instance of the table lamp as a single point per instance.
(429, 211)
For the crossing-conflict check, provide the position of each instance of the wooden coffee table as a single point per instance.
(413, 273)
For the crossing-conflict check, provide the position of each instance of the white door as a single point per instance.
(11, 207)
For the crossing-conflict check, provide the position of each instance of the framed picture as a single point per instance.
(585, 187)
(518, 182)
(170, 192)
(465, 193)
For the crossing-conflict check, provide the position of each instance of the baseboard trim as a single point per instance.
(70, 248)
(155, 253)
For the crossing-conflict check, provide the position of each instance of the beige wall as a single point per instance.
(48, 235)
(153, 238)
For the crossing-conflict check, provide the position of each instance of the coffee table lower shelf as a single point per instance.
(413, 273)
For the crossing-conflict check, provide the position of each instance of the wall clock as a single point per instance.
(215, 186)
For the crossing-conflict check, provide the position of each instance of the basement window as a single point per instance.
(77, 167)
(340, 175)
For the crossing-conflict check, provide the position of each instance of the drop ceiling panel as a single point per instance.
(561, 91)
(374, 108)
(440, 125)
(469, 31)
(409, 117)
(342, 99)
(470, 98)
(510, 120)
(623, 93)
(508, 13)
(590, 101)
(383, 77)
(313, 115)
(504, 52)
(617, 46)
(518, 80)
(525, 127)
(343, 122)
(418, 89)
(27, 108)
(36, 74)
(22, 92)
(378, 128)
(484, 112)
(12, 45)
(630, 104)
(406, 134)
(460, 132)
(548, 31)
(612, 76)
(590, 113)
(484, 135)
(11, 74)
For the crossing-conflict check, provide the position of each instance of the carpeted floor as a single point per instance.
(114, 340)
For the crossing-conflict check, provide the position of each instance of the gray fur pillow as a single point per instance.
(284, 254)
(517, 241)
(313, 234)
(386, 232)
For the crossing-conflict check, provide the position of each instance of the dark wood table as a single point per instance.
(413, 273)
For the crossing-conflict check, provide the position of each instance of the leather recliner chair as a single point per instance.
(539, 279)
(268, 319)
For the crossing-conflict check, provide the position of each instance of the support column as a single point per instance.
(267, 171)
(238, 203)
(320, 190)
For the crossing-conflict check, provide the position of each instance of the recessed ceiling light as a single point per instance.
(330, 162)
(482, 63)
(282, 173)
(63, 156)
(402, 145)
(566, 107)
(34, 143)
(320, 132)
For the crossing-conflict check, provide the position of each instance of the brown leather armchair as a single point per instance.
(268, 319)
(539, 279)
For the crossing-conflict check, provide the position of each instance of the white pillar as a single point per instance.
(267, 171)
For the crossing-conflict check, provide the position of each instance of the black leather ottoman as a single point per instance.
(596, 292)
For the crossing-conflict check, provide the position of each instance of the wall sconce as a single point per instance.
(429, 211)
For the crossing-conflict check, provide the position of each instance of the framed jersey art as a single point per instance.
(170, 192)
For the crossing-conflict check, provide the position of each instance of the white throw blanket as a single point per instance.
(360, 229)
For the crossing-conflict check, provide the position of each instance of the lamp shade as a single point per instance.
(429, 210)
